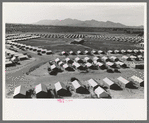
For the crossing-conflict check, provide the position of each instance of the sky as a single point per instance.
(130, 14)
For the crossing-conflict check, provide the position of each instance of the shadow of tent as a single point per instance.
(53, 72)
(115, 87)
(110, 71)
(108, 97)
(94, 68)
(69, 69)
(142, 84)
(42, 95)
(63, 92)
(131, 85)
(82, 90)
(49, 94)
(29, 93)
(117, 71)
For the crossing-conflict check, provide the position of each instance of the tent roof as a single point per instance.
(19, 90)
(76, 84)
(99, 90)
(135, 78)
(92, 82)
(40, 87)
(123, 80)
(59, 85)
(108, 81)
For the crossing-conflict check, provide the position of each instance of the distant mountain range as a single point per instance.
(79, 23)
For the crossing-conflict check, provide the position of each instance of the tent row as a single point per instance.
(41, 90)
(137, 51)
(21, 37)
(136, 39)
(12, 58)
(61, 35)
(31, 48)
(86, 52)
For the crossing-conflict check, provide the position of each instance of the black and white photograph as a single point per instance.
(67, 52)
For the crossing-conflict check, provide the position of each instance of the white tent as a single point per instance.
(48, 52)
(94, 52)
(109, 83)
(121, 64)
(71, 53)
(78, 87)
(60, 63)
(87, 59)
(110, 64)
(110, 51)
(41, 91)
(86, 52)
(113, 58)
(105, 58)
(101, 93)
(57, 60)
(67, 67)
(79, 52)
(77, 59)
(19, 92)
(123, 82)
(92, 83)
(68, 60)
(60, 88)
(123, 51)
(126, 58)
(137, 80)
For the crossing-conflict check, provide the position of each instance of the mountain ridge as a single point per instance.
(86, 23)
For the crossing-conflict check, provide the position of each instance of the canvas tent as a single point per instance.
(61, 63)
(126, 58)
(67, 67)
(60, 88)
(137, 80)
(105, 59)
(113, 58)
(9, 63)
(87, 59)
(121, 64)
(110, 64)
(110, 51)
(79, 52)
(78, 87)
(72, 53)
(77, 59)
(41, 91)
(86, 52)
(92, 83)
(123, 51)
(48, 52)
(78, 66)
(64, 53)
(68, 61)
(123, 82)
(101, 93)
(94, 52)
(89, 65)
(109, 83)
(57, 60)
(54, 68)
(100, 65)
(19, 92)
